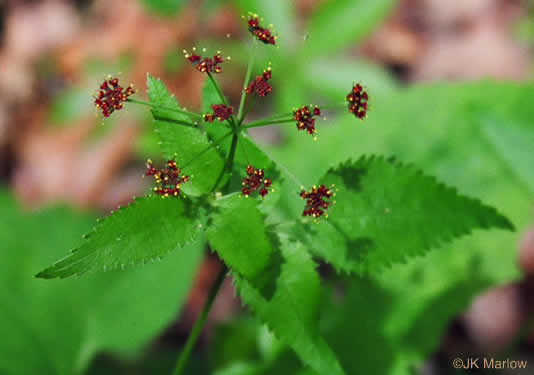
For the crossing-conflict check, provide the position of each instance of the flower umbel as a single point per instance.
(261, 85)
(221, 112)
(205, 64)
(111, 96)
(305, 118)
(357, 99)
(168, 179)
(255, 180)
(262, 34)
(316, 201)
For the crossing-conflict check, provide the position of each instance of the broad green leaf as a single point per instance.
(145, 231)
(192, 149)
(238, 235)
(386, 212)
(292, 312)
(440, 127)
(117, 312)
(164, 7)
(354, 326)
(337, 23)
(515, 144)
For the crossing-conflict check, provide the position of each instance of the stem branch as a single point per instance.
(268, 122)
(173, 109)
(241, 115)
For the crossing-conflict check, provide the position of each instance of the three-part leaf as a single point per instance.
(386, 212)
(150, 228)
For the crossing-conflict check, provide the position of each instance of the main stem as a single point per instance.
(214, 290)
(199, 324)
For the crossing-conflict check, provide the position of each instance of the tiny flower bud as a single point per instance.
(357, 101)
(255, 181)
(305, 118)
(262, 34)
(316, 200)
(260, 85)
(111, 96)
(168, 180)
(221, 112)
(207, 64)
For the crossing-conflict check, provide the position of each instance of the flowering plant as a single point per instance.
(221, 190)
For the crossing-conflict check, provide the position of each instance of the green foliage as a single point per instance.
(238, 235)
(190, 145)
(164, 7)
(515, 144)
(57, 327)
(292, 312)
(387, 212)
(145, 231)
(442, 128)
(349, 19)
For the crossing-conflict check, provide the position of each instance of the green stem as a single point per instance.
(241, 115)
(231, 120)
(199, 324)
(173, 109)
(229, 163)
(267, 122)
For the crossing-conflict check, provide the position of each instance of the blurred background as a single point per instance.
(451, 90)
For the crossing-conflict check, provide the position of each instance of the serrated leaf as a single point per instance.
(387, 212)
(194, 153)
(146, 230)
(292, 312)
(351, 20)
(116, 312)
(238, 235)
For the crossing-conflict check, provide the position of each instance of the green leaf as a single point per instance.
(194, 153)
(238, 235)
(358, 320)
(164, 7)
(145, 231)
(350, 20)
(515, 144)
(387, 212)
(118, 312)
(292, 312)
